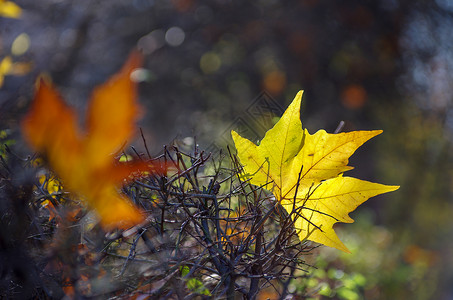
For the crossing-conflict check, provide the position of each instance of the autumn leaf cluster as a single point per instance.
(303, 171)
(224, 224)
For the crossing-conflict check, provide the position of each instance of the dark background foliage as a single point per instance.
(374, 64)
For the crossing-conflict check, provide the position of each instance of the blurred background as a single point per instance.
(383, 64)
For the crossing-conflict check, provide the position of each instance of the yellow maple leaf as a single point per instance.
(305, 174)
(84, 160)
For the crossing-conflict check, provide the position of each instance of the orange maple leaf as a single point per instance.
(84, 160)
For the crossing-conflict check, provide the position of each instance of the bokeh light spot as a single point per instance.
(210, 62)
(175, 36)
(141, 75)
(274, 82)
(353, 96)
(21, 44)
(152, 41)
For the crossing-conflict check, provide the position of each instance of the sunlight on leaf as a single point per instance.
(8, 67)
(305, 173)
(51, 186)
(5, 68)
